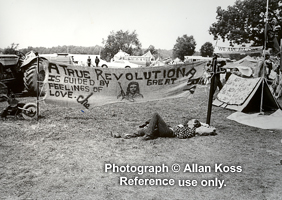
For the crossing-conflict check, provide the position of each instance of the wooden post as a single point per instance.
(212, 89)
(37, 87)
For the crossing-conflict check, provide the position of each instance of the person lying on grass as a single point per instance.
(157, 127)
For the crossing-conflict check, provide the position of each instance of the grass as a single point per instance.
(63, 155)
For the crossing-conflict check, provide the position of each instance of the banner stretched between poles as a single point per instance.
(86, 87)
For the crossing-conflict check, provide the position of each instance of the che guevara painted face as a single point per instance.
(133, 88)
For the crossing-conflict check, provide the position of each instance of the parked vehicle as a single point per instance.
(10, 74)
(120, 64)
(18, 72)
(29, 67)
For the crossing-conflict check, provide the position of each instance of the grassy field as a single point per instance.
(64, 154)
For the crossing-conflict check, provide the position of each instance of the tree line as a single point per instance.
(92, 50)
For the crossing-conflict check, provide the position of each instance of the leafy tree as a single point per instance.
(207, 49)
(120, 40)
(244, 22)
(185, 46)
(11, 49)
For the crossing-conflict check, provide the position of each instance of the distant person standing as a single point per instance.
(264, 67)
(89, 61)
(217, 82)
(97, 61)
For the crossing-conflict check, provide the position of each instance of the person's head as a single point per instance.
(236, 71)
(267, 56)
(221, 63)
(193, 123)
(274, 20)
(133, 88)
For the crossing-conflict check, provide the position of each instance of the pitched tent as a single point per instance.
(150, 55)
(248, 59)
(120, 55)
(245, 94)
(177, 61)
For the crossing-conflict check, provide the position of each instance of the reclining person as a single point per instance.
(157, 127)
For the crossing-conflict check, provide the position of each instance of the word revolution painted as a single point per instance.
(71, 85)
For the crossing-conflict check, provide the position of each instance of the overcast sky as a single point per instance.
(159, 23)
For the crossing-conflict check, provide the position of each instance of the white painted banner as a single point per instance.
(70, 85)
(237, 49)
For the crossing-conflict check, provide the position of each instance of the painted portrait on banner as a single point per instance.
(132, 92)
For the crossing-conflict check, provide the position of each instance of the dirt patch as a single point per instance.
(63, 155)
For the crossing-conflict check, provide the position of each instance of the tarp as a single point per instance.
(247, 65)
(70, 85)
(247, 61)
(245, 94)
(272, 121)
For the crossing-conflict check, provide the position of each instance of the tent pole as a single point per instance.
(279, 67)
(264, 51)
(261, 97)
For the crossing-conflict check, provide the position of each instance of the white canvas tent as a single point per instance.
(150, 55)
(245, 95)
(247, 63)
(120, 55)
(177, 61)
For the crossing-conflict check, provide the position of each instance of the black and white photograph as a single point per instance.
(147, 100)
